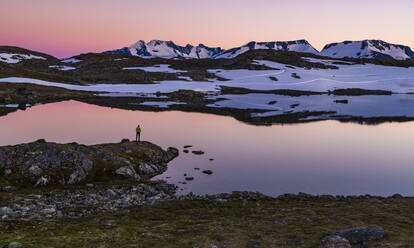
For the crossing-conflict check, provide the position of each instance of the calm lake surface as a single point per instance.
(326, 157)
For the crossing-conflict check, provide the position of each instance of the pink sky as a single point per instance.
(66, 28)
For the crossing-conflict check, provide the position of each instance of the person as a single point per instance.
(138, 136)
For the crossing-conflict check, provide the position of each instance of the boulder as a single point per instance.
(361, 235)
(335, 241)
(44, 163)
(14, 245)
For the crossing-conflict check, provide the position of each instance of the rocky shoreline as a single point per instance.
(44, 183)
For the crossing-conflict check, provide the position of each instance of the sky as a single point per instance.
(67, 28)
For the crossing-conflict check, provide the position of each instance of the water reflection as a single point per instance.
(326, 157)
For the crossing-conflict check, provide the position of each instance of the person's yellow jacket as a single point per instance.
(138, 129)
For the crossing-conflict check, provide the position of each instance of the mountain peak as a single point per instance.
(368, 49)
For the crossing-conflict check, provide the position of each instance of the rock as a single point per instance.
(188, 146)
(361, 235)
(186, 151)
(335, 241)
(345, 101)
(199, 152)
(125, 140)
(128, 172)
(252, 244)
(47, 211)
(6, 211)
(211, 159)
(9, 188)
(189, 178)
(14, 245)
(110, 192)
(35, 170)
(214, 246)
(397, 196)
(208, 172)
(42, 181)
(44, 163)
(196, 168)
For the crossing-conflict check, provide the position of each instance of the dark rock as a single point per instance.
(252, 244)
(186, 151)
(188, 146)
(341, 101)
(397, 196)
(208, 172)
(189, 178)
(125, 140)
(196, 168)
(361, 235)
(272, 102)
(211, 159)
(41, 141)
(335, 241)
(199, 152)
(14, 245)
(44, 163)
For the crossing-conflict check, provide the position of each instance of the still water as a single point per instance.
(326, 157)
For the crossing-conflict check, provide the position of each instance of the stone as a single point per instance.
(186, 151)
(9, 188)
(128, 172)
(125, 140)
(208, 172)
(335, 241)
(6, 211)
(252, 244)
(361, 235)
(189, 178)
(14, 245)
(110, 192)
(35, 170)
(188, 146)
(199, 152)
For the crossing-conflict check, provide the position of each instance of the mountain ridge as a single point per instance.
(352, 49)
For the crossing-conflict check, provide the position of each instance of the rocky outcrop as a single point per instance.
(43, 163)
(361, 235)
(335, 241)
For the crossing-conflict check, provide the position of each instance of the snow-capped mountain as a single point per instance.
(368, 49)
(296, 46)
(167, 49)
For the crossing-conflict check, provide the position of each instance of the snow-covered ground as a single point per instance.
(367, 106)
(62, 67)
(369, 76)
(160, 104)
(375, 77)
(73, 61)
(156, 68)
(13, 58)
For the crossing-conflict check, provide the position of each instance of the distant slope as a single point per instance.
(294, 46)
(168, 49)
(375, 49)
(13, 55)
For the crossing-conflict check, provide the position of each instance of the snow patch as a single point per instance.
(13, 58)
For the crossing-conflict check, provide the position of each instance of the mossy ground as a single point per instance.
(289, 222)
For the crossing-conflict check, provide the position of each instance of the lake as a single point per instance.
(325, 157)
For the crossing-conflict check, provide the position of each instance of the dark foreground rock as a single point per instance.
(361, 235)
(42, 163)
(335, 241)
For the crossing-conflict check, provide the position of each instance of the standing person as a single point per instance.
(138, 136)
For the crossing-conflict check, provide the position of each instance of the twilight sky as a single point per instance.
(66, 28)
